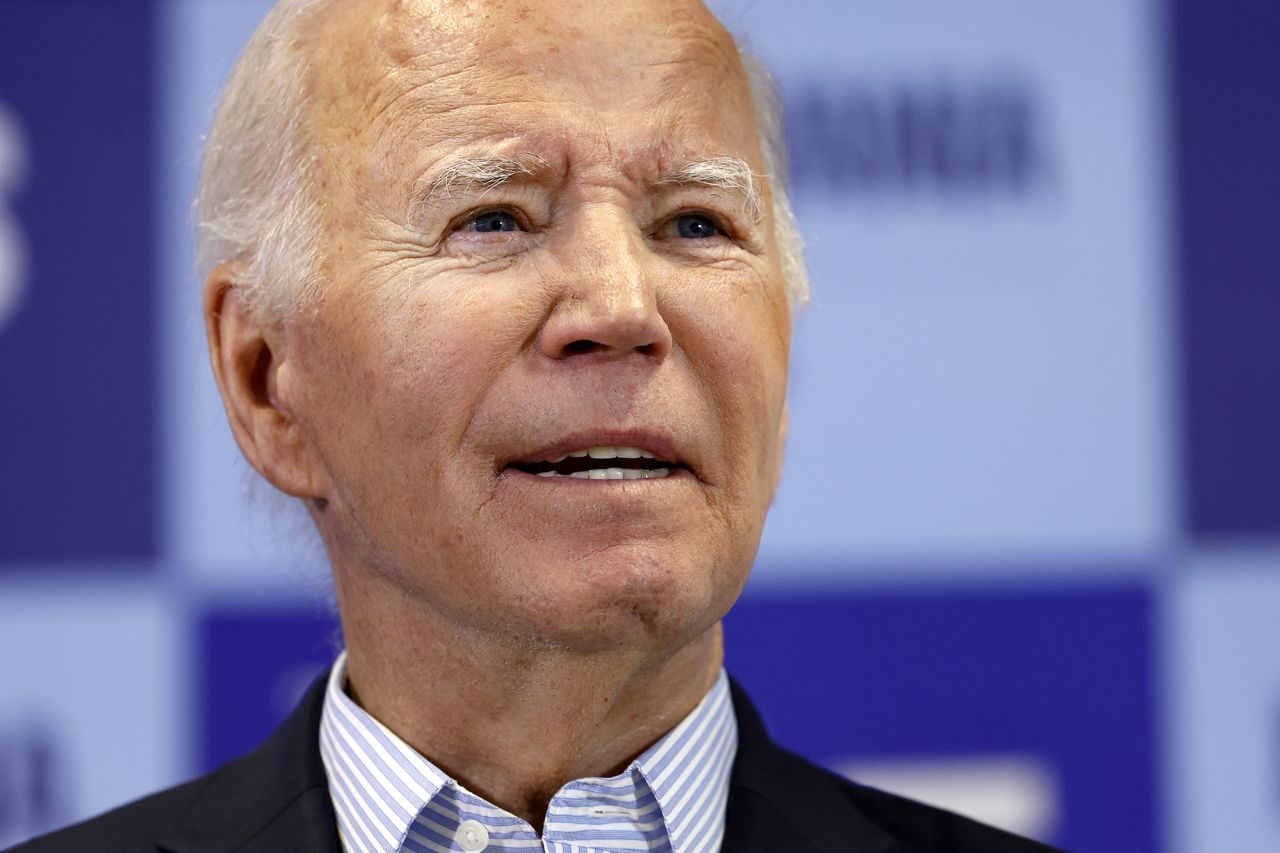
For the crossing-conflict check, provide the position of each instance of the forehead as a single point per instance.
(638, 78)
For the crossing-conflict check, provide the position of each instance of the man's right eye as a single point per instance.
(490, 221)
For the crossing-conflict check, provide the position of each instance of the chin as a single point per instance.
(631, 596)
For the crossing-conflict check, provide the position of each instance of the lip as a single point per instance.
(663, 446)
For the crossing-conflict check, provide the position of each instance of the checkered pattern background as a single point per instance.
(1032, 498)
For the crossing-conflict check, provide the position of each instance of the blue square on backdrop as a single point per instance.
(1228, 132)
(77, 353)
(255, 663)
(1063, 674)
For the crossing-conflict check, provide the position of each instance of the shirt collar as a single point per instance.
(380, 785)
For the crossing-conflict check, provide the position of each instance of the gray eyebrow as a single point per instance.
(726, 173)
(482, 174)
(470, 174)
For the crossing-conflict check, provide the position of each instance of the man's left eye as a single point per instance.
(695, 226)
(494, 220)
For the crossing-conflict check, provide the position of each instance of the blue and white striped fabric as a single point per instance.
(388, 798)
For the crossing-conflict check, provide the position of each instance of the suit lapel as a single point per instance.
(778, 801)
(273, 800)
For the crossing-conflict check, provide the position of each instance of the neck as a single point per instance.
(512, 721)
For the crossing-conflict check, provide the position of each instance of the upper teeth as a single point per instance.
(607, 453)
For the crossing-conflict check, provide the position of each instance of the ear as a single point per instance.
(250, 364)
(783, 423)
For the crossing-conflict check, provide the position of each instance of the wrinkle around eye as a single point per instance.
(394, 256)
(412, 266)
(387, 251)
(387, 261)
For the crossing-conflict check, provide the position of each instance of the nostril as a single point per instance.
(581, 346)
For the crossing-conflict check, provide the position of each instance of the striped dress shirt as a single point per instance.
(389, 798)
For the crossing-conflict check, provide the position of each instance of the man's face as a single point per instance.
(475, 336)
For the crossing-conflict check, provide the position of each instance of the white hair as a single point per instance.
(767, 98)
(258, 203)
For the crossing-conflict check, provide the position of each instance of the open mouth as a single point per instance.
(603, 463)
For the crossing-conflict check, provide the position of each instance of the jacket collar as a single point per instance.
(778, 801)
(273, 799)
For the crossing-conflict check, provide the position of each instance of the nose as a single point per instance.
(607, 301)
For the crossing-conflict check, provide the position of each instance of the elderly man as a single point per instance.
(502, 292)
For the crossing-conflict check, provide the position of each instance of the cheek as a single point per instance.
(382, 397)
(416, 374)
(744, 346)
(758, 386)
(418, 357)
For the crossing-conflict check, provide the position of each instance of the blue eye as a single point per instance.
(494, 220)
(694, 226)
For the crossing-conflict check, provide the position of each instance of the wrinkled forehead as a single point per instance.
(405, 72)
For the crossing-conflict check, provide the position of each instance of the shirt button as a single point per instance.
(472, 836)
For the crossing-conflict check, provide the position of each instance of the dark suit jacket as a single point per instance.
(276, 800)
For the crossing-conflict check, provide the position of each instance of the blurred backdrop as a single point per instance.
(1032, 497)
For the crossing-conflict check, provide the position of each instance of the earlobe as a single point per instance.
(249, 358)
